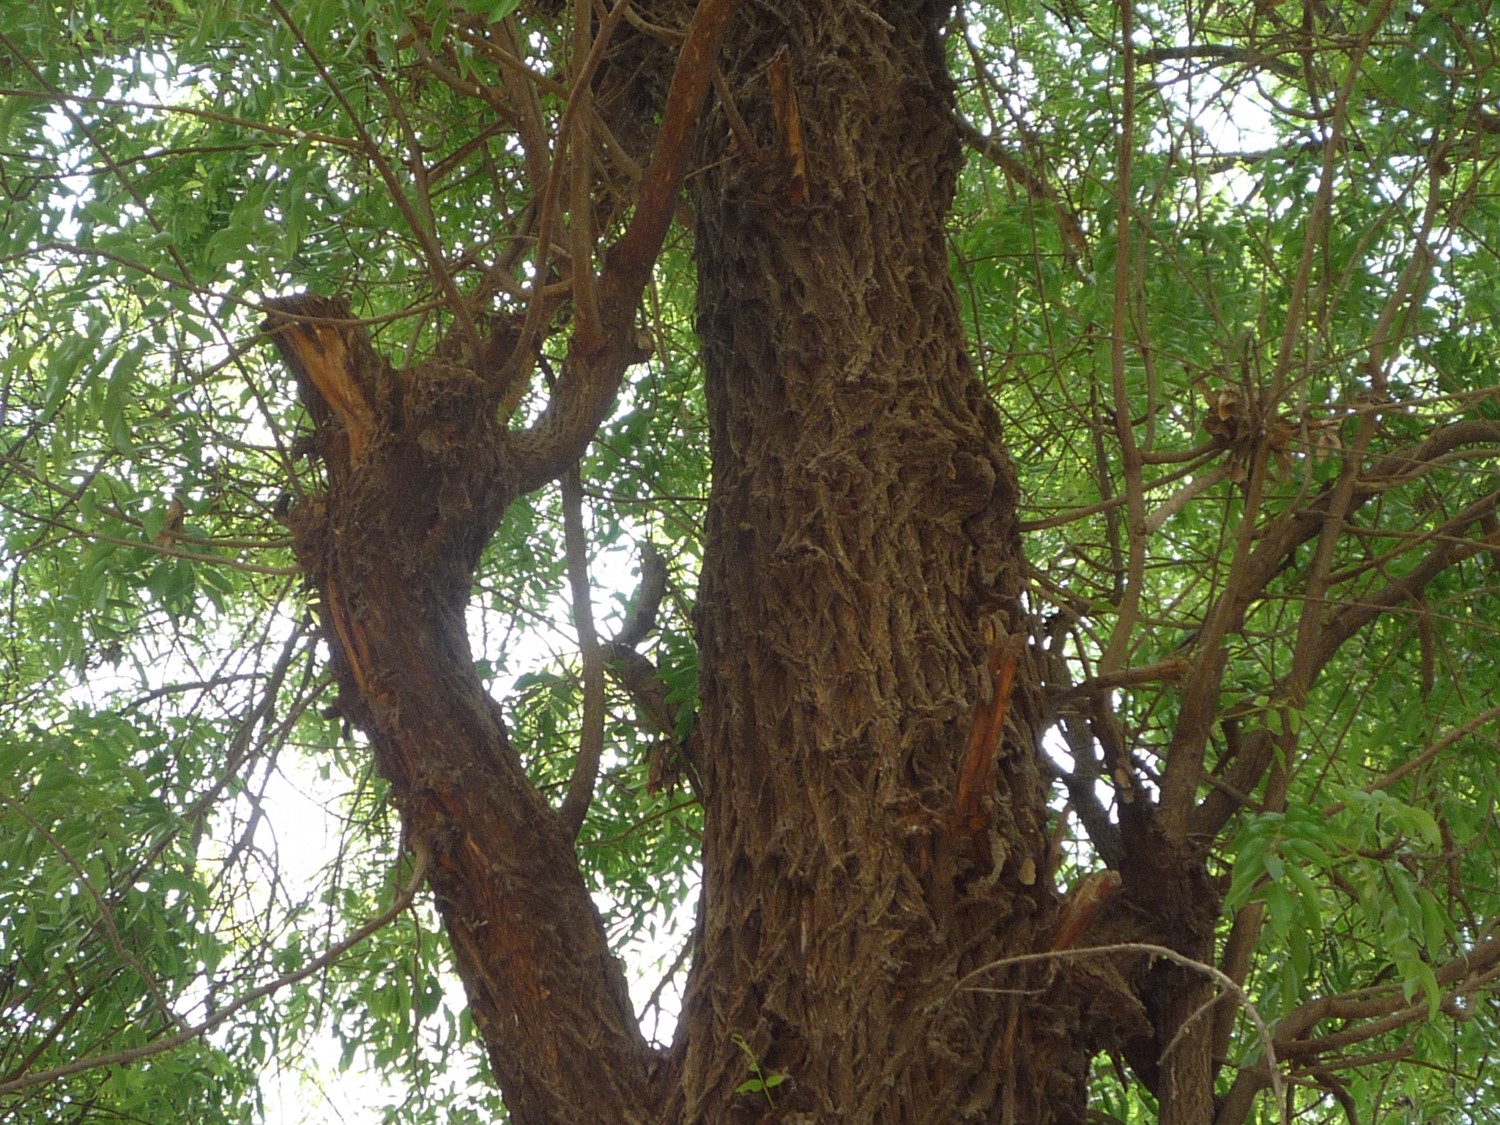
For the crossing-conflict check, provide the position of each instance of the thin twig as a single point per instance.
(425, 236)
(575, 119)
(1227, 982)
(1116, 654)
(580, 795)
(403, 899)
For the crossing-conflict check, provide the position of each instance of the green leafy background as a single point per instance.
(165, 166)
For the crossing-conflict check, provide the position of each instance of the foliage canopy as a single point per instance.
(1234, 292)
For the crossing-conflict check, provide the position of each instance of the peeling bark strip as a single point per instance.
(329, 358)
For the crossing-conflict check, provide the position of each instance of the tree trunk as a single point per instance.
(861, 538)
(875, 851)
(418, 477)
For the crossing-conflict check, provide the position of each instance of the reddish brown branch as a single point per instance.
(1032, 183)
(596, 365)
(1355, 616)
(391, 549)
(421, 229)
(1295, 527)
(1366, 1014)
(1275, 543)
(636, 251)
(1332, 632)
(1172, 669)
(1456, 976)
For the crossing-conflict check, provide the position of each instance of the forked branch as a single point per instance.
(591, 377)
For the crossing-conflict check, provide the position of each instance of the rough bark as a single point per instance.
(416, 483)
(861, 534)
(874, 799)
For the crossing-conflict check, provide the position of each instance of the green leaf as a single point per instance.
(62, 368)
(117, 395)
(491, 10)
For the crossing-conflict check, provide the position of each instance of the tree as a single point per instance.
(1066, 536)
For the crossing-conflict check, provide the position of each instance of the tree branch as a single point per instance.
(426, 237)
(1272, 1074)
(647, 603)
(1037, 188)
(1184, 767)
(1385, 1008)
(402, 900)
(1281, 537)
(1425, 755)
(580, 795)
(1332, 633)
(1253, 753)
(592, 374)
(1217, 53)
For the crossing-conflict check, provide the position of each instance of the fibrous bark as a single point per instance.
(861, 538)
(417, 480)
(874, 799)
